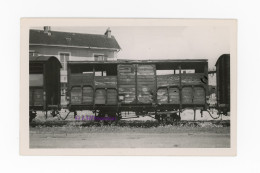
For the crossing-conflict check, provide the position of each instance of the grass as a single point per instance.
(128, 123)
(127, 127)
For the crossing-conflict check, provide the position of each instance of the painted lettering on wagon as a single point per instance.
(92, 118)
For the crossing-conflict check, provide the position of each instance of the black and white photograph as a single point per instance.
(162, 84)
(130, 86)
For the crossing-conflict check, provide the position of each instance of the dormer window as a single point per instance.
(100, 57)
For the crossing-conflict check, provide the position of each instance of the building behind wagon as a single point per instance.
(67, 46)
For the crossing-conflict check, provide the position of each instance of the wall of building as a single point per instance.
(75, 53)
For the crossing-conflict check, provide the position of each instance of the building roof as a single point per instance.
(57, 38)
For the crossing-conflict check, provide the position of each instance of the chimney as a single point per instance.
(47, 30)
(108, 32)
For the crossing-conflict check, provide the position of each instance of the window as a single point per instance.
(64, 58)
(100, 57)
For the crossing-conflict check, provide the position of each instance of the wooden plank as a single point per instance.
(36, 80)
(145, 99)
(30, 97)
(126, 77)
(145, 73)
(106, 81)
(111, 97)
(187, 95)
(126, 83)
(146, 80)
(187, 79)
(38, 97)
(146, 77)
(74, 80)
(126, 80)
(130, 89)
(76, 95)
(100, 96)
(88, 96)
(151, 83)
(127, 86)
(199, 95)
(126, 74)
(145, 66)
(174, 95)
(162, 96)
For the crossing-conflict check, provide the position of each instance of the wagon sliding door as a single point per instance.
(146, 84)
(126, 83)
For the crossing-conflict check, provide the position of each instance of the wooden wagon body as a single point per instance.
(137, 85)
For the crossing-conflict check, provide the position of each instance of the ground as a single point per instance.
(129, 135)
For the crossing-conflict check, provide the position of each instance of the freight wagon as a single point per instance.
(223, 84)
(161, 87)
(44, 85)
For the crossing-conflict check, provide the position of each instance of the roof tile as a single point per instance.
(73, 39)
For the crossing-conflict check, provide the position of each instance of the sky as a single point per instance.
(165, 42)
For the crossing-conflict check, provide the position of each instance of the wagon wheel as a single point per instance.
(55, 113)
(175, 117)
(169, 120)
(32, 115)
(119, 116)
(164, 119)
(157, 117)
(116, 117)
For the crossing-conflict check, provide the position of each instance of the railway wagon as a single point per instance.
(164, 87)
(223, 83)
(44, 84)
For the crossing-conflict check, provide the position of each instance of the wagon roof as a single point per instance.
(161, 61)
(224, 56)
(43, 59)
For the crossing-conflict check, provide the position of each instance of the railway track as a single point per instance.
(131, 123)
